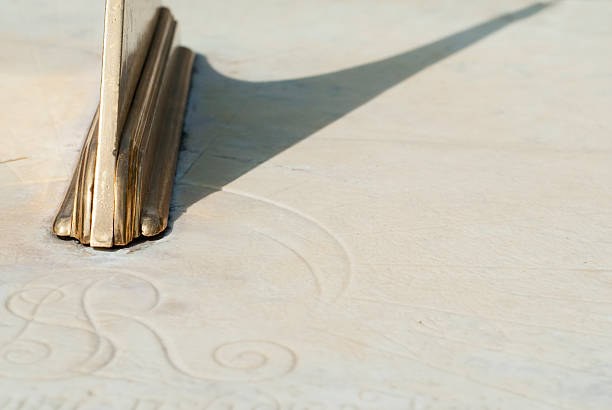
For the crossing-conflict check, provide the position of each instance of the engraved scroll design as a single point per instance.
(309, 241)
(75, 327)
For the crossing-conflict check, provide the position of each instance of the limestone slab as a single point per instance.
(379, 205)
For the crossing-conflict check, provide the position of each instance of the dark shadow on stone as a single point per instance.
(232, 126)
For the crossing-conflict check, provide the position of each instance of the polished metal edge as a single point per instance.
(74, 216)
(145, 155)
(128, 29)
(133, 159)
(168, 126)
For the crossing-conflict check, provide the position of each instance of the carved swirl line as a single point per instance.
(99, 340)
(14, 347)
(238, 372)
(28, 319)
(316, 279)
(246, 360)
(23, 355)
(54, 295)
(346, 276)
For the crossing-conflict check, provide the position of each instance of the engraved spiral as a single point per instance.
(27, 352)
(255, 359)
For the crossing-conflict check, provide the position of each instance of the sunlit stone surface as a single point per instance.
(380, 205)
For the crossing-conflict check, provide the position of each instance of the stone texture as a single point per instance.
(400, 205)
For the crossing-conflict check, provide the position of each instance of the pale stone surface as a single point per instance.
(428, 232)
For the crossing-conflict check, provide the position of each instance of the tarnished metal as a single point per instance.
(166, 135)
(123, 180)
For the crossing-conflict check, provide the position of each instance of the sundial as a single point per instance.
(123, 181)
(377, 205)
